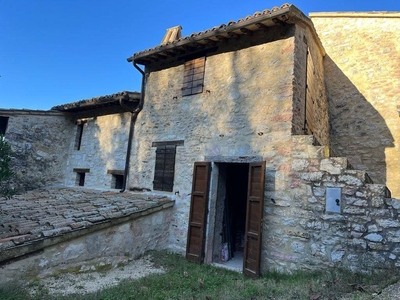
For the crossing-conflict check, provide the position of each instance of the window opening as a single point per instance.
(79, 133)
(165, 168)
(117, 181)
(193, 78)
(80, 178)
(3, 125)
(117, 178)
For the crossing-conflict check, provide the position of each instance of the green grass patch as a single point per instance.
(185, 280)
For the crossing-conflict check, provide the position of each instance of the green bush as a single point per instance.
(5, 170)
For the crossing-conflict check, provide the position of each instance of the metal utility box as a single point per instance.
(333, 200)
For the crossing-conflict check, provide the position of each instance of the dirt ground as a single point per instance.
(94, 281)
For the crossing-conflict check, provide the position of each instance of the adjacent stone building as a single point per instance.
(82, 143)
(363, 84)
(275, 146)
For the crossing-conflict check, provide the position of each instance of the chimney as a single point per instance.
(173, 34)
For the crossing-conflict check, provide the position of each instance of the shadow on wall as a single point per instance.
(358, 131)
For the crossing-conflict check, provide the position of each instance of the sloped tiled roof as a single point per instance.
(44, 217)
(277, 16)
(98, 102)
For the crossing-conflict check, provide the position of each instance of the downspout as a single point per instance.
(134, 115)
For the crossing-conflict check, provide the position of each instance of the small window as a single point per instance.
(193, 78)
(79, 133)
(3, 125)
(165, 168)
(117, 179)
(80, 176)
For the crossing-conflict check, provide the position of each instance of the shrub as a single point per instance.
(5, 170)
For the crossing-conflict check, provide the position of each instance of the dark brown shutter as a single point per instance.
(169, 168)
(198, 212)
(193, 78)
(165, 168)
(310, 102)
(255, 207)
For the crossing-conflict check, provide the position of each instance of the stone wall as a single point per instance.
(244, 113)
(309, 86)
(299, 233)
(362, 80)
(102, 249)
(103, 148)
(39, 141)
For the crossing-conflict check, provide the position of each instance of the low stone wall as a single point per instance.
(300, 234)
(106, 248)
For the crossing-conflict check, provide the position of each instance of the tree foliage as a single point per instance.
(5, 170)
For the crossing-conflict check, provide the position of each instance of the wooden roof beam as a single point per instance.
(279, 21)
(177, 51)
(190, 48)
(210, 42)
(262, 26)
(233, 35)
(221, 38)
(246, 31)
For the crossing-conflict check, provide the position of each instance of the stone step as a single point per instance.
(379, 190)
(304, 140)
(307, 147)
(335, 165)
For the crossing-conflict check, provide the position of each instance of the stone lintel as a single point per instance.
(233, 159)
(81, 170)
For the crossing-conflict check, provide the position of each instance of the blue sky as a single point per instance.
(59, 51)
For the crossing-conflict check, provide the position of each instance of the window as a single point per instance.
(117, 179)
(79, 133)
(3, 125)
(193, 78)
(80, 176)
(165, 165)
(165, 168)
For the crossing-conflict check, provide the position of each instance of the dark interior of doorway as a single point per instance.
(233, 182)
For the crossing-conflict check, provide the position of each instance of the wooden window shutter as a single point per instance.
(310, 124)
(165, 168)
(193, 77)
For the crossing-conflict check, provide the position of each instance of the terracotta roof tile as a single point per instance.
(30, 218)
(143, 56)
(100, 101)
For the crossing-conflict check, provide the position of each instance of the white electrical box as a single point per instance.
(333, 200)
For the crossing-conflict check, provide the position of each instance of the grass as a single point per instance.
(184, 280)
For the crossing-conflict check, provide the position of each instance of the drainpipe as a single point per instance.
(134, 115)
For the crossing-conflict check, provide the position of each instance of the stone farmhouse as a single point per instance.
(276, 136)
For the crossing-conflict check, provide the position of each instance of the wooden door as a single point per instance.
(255, 207)
(198, 212)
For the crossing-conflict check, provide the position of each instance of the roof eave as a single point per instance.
(98, 102)
(289, 14)
(212, 33)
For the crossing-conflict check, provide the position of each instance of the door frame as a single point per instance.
(208, 226)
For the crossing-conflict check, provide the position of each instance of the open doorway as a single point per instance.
(230, 215)
(215, 228)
